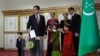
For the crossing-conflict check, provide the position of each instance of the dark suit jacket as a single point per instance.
(40, 29)
(20, 44)
(62, 23)
(75, 23)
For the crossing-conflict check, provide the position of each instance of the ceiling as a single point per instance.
(11, 4)
(41, 1)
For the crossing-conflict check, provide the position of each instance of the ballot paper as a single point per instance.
(32, 34)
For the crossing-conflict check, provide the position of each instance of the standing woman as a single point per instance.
(62, 23)
(50, 24)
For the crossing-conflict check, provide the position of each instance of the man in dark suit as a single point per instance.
(20, 44)
(36, 22)
(75, 21)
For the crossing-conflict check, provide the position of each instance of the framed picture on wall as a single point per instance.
(23, 23)
(11, 23)
(10, 40)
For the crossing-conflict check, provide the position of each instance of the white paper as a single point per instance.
(32, 34)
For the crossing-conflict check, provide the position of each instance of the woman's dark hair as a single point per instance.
(67, 25)
(36, 6)
(57, 25)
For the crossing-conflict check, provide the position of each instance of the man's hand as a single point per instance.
(76, 34)
(45, 36)
(28, 30)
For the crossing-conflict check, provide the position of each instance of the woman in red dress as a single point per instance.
(68, 46)
(50, 24)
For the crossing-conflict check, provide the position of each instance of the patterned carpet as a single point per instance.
(12, 53)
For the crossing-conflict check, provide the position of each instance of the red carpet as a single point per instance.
(12, 53)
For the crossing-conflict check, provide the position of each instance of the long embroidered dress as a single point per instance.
(50, 24)
(68, 51)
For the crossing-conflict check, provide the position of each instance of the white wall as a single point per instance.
(2, 7)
